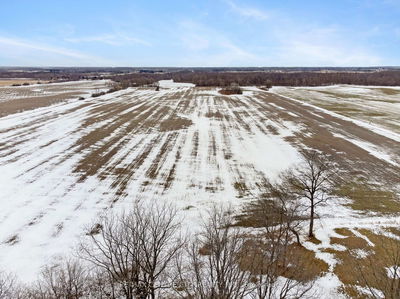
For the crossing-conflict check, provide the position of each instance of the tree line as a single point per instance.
(386, 77)
(221, 79)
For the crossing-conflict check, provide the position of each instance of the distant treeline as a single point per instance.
(125, 77)
(50, 76)
(386, 78)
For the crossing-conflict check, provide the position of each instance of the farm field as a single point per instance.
(371, 104)
(63, 161)
(10, 82)
(18, 99)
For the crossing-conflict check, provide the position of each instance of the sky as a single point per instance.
(200, 33)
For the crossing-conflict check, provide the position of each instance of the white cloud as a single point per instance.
(246, 11)
(204, 46)
(195, 41)
(26, 52)
(323, 47)
(117, 39)
(290, 44)
(34, 46)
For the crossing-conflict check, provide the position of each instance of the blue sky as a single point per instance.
(200, 33)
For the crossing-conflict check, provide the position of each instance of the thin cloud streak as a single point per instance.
(35, 49)
(29, 45)
(249, 12)
(118, 39)
(322, 46)
(206, 46)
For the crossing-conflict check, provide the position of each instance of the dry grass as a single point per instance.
(19, 105)
(339, 94)
(394, 230)
(262, 212)
(368, 197)
(216, 115)
(351, 242)
(254, 214)
(304, 259)
(176, 123)
(388, 91)
(230, 91)
(351, 263)
(241, 188)
(314, 240)
(298, 263)
(273, 130)
(343, 231)
(10, 82)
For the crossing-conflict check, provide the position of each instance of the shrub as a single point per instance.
(234, 88)
(97, 94)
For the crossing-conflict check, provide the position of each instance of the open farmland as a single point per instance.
(18, 81)
(370, 104)
(18, 99)
(62, 162)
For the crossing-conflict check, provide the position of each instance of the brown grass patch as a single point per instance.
(351, 242)
(298, 263)
(314, 240)
(10, 82)
(241, 188)
(176, 123)
(153, 171)
(260, 213)
(273, 130)
(230, 91)
(375, 259)
(329, 250)
(343, 231)
(339, 94)
(394, 230)
(171, 174)
(352, 292)
(23, 104)
(305, 259)
(388, 91)
(216, 115)
(368, 197)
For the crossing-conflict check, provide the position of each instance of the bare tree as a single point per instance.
(135, 249)
(215, 259)
(223, 262)
(65, 280)
(313, 180)
(159, 242)
(101, 285)
(7, 285)
(381, 273)
(115, 251)
(280, 209)
(278, 270)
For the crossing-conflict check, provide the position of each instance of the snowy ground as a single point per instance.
(39, 90)
(376, 105)
(63, 164)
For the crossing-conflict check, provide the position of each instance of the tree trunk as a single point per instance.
(311, 230)
(296, 234)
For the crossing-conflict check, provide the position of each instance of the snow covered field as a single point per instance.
(63, 164)
(377, 105)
